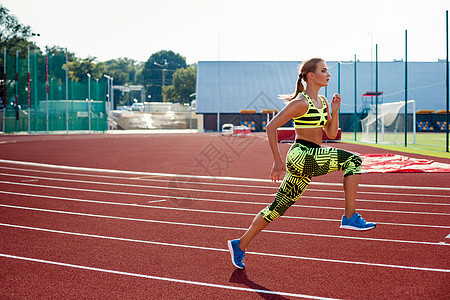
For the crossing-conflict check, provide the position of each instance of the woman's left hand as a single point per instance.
(335, 102)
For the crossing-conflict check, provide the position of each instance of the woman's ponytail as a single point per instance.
(299, 87)
(304, 69)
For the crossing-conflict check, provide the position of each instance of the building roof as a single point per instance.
(231, 86)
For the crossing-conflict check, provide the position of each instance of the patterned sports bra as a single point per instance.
(314, 117)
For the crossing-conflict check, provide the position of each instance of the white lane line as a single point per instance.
(274, 187)
(215, 200)
(448, 236)
(198, 283)
(218, 227)
(156, 201)
(225, 250)
(136, 185)
(213, 191)
(200, 210)
(5, 161)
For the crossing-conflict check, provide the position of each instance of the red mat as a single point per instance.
(384, 163)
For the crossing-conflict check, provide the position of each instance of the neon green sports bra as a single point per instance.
(314, 117)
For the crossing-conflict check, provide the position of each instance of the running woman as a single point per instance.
(306, 158)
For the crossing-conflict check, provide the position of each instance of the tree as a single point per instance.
(184, 84)
(13, 36)
(79, 68)
(124, 70)
(12, 33)
(158, 71)
(57, 61)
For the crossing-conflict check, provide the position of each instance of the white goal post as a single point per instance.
(389, 123)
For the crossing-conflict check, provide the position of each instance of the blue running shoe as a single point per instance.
(237, 255)
(356, 222)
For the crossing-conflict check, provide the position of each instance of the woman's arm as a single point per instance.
(332, 125)
(292, 109)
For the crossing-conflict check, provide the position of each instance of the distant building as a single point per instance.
(232, 86)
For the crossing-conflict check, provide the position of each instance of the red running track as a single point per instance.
(112, 216)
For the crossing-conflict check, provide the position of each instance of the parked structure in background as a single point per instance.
(253, 85)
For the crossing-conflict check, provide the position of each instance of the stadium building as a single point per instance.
(228, 88)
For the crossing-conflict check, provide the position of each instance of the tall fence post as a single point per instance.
(447, 82)
(4, 92)
(355, 101)
(406, 89)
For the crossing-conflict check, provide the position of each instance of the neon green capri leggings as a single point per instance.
(304, 161)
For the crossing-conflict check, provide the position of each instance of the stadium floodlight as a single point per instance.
(89, 100)
(163, 71)
(89, 86)
(108, 93)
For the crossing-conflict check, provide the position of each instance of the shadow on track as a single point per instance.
(239, 276)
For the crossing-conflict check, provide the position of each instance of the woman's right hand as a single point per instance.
(278, 170)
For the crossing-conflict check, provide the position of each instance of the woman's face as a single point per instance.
(321, 75)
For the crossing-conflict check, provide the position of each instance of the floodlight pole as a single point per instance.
(218, 96)
(339, 84)
(46, 92)
(112, 93)
(109, 107)
(89, 100)
(447, 82)
(29, 89)
(406, 89)
(36, 110)
(108, 92)
(67, 93)
(163, 67)
(17, 91)
(98, 97)
(4, 91)
(355, 102)
(376, 92)
(339, 77)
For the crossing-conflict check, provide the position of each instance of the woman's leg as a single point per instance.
(351, 165)
(290, 190)
(350, 188)
(256, 227)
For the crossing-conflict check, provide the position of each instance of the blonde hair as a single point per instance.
(306, 67)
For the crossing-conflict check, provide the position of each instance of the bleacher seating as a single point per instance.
(431, 121)
(249, 124)
(441, 125)
(424, 126)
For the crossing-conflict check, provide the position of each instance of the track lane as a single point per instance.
(297, 216)
(178, 263)
(177, 222)
(315, 277)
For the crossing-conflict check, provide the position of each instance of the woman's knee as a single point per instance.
(354, 165)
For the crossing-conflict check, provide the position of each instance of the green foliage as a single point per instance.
(124, 70)
(164, 67)
(158, 71)
(57, 61)
(12, 33)
(13, 36)
(79, 68)
(184, 84)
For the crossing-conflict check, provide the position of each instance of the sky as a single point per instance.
(239, 30)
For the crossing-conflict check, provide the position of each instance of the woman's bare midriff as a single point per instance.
(310, 134)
